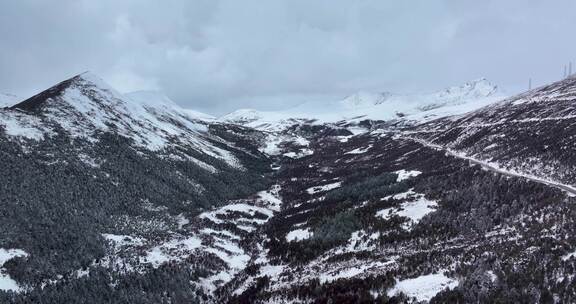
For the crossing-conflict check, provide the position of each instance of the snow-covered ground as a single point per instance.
(350, 271)
(298, 235)
(425, 287)
(323, 188)
(301, 153)
(414, 209)
(405, 174)
(360, 150)
(6, 283)
(21, 125)
(246, 216)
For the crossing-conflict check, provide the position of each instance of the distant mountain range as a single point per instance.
(377, 106)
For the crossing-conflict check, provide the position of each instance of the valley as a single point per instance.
(128, 197)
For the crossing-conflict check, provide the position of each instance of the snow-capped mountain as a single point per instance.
(376, 106)
(85, 105)
(530, 133)
(100, 183)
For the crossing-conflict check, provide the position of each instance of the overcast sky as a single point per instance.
(220, 55)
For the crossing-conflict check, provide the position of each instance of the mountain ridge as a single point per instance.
(376, 106)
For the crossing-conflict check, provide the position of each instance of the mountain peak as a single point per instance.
(84, 80)
(477, 88)
(91, 79)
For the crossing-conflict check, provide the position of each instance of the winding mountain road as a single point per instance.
(571, 190)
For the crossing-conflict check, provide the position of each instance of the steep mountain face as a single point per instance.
(376, 107)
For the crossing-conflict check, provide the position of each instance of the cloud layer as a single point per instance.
(219, 55)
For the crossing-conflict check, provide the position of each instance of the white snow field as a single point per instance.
(425, 287)
(7, 283)
(298, 235)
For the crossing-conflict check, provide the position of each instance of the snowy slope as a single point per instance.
(158, 101)
(529, 134)
(376, 106)
(85, 106)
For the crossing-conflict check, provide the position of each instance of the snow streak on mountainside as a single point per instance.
(375, 106)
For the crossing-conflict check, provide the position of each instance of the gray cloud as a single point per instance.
(219, 55)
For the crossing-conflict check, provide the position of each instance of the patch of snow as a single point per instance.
(301, 153)
(298, 235)
(123, 240)
(21, 125)
(323, 188)
(359, 150)
(357, 130)
(171, 251)
(251, 210)
(413, 210)
(343, 139)
(423, 288)
(182, 221)
(357, 242)
(272, 270)
(493, 277)
(204, 165)
(274, 141)
(220, 233)
(232, 255)
(353, 271)
(401, 196)
(7, 283)
(88, 160)
(272, 146)
(271, 198)
(568, 256)
(404, 174)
